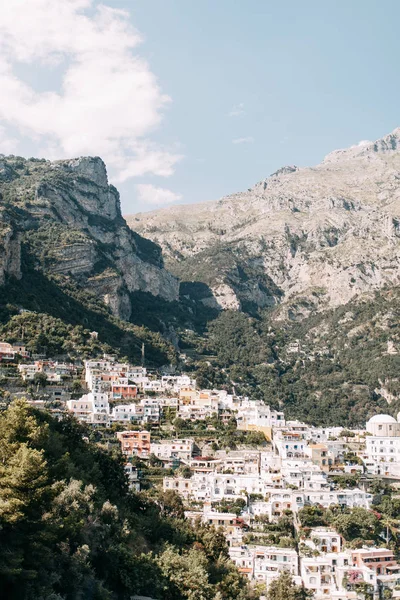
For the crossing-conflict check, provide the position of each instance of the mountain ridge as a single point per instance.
(69, 218)
(319, 235)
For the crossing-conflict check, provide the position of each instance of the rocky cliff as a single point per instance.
(307, 238)
(68, 219)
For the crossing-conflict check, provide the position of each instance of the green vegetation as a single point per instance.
(70, 258)
(283, 588)
(265, 533)
(230, 506)
(226, 261)
(225, 434)
(346, 480)
(333, 379)
(359, 526)
(340, 375)
(62, 317)
(70, 528)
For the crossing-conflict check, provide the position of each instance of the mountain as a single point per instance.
(68, 218)
(70, 265)
(305, 239)
(322, 238)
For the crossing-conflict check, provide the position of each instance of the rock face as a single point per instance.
(308, 238)
(69, 219)
(10, 252)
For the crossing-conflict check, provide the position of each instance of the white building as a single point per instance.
(303, 474)
(252, 414)
(324, 574)
(178, 484)
(324, 539)
(382, 456)
(126, 413)
(167, 449)
(269, 562)
(290, 444)
(239, 462)
(91, 408)
(264, 563)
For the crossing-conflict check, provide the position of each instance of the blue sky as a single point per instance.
(252, 85)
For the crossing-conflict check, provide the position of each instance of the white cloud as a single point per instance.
(237, 110)
(149, 159)
(156, 196)
(243, 140)
(109, 102)
(8, 144)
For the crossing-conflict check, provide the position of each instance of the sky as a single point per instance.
(191, 100)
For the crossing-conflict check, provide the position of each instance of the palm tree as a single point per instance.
(391, 525)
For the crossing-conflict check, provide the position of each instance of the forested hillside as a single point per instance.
(336, 367)
(58, 316)
(71, 530)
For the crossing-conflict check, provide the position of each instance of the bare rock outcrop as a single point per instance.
(69, 220)
(317, 235)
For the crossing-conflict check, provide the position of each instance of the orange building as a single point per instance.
(126, 392)
(381, 561)
(134, 443)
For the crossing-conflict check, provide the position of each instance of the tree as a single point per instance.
(188, 572)
(170, 504)
(179, 425)
(40, 379)
(212, 540)
(185, 471)
(154, 461)
(312, 516)
(391, 525)
(23, 481)
(359, 523)
(283, 588)
(76, 386)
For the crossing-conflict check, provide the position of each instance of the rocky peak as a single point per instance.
(287, 170)
(314, 237)
(7, 173)
(91, 167)
(275, 177)
(70, 219)
(89, 175)
(389, 143)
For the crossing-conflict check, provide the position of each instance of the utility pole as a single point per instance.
(143, 354)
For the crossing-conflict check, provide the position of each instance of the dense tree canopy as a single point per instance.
(71, 530)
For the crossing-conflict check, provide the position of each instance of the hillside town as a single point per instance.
(267, 487)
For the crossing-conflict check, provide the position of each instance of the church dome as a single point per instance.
(382, 419)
